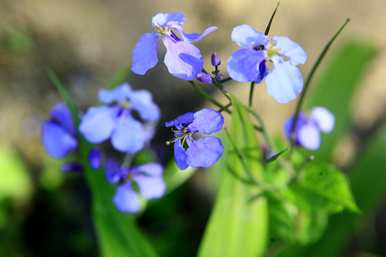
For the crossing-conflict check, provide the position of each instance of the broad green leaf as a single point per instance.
(237, 227)
(336, 87)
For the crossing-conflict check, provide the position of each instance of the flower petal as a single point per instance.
(182, 59)
(145, 53)
(57, 141)
(97, 124)
(291, 49)
(142, 102)
(149, 180)
(301, 120)
(62, 115)
(284, 83)
(128, 135)
(324, 118)
(204, 152)
(71, 167)
(244, 65)
(113, 171)
(309, 136)
(170, 19)
(180, 155)
(181, 121)
(246, 36)
(94, 158)
(126, 200)
(191, 37)
(207, 121)
(120, 93)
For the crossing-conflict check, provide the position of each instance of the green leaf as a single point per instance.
(336, 87)
(237, 227)
(329, 183)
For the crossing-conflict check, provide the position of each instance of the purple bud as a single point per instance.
(204, 78)
(94, 158)
(215, 59)
(72, 167)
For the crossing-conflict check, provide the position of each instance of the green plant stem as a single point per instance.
(251, 90)
(268, 28)
(309, 78)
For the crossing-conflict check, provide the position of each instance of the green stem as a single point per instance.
(251, 90)
(309, 78)
(268, 28)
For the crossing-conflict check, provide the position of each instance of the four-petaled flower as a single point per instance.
(182, 58)
(147, 178)
(273, 59)
(193, 143)
(308, 128)
(127, 117)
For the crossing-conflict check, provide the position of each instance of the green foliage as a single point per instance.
(237, 226)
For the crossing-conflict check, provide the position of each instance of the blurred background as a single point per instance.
(46, 213)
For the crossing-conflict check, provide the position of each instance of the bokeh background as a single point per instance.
(46, 213)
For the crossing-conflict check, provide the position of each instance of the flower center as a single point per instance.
(272, 51)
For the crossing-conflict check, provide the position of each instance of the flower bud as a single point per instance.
(204, 78)
(215, 59)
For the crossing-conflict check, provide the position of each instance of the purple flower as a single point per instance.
(147, 178)
(128, 119)
(59, 133)
(273, 59)
(182, 58)
(193, 143)
(308, 128)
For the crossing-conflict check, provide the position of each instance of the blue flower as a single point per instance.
(193, 143)
(182, 58)
(147, 178)
(272, 59)
(127, 118)
(59, 133)
(308, 128)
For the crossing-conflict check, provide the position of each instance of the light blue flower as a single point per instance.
(272, 59)
(182, 58)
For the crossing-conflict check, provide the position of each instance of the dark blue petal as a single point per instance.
(57, 141)
(113, 171)
(149, 180)
(182, 59)
(180, 155)
(145, 53)
(71, 167)
(128, 135)
(207, 121)
(94, 158)
(284, 83)
(97, 124)
(197, 36)
(62, 115)
(118, 94)
(181, 121)
(243, 65)
(204, 152)
(246, 36)
(126, 200)
(142, 102)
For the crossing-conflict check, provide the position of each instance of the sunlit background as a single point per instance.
(46, 213)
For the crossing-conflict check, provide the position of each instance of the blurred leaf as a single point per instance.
(174, 177)
(51, 177)
(15, 181)
(336, 87)
(237, 227)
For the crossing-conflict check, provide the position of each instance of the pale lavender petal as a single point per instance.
(61, 114)
(142, 102)
(246, 36)
(182, 59)
(57, 141)
(309, 136)
(180, 155)
(149, 180)
(145, 53)
(97, 124)
(128, 135)
(198, 36)
(126, 200)
(207, 121)
(244, 65)
(284, 83)
(204, 152)
(171, 19)
(120, 93)
(290, 49)
(324, 118)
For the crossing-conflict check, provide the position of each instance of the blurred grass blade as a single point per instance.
(336, 87)
(117, 233)
(237, 227)
(174, 177)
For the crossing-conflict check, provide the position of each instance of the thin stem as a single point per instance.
(251, 90)
(268, 28)
(226, 80)
(262, 127)
(226, 107)
(309, 78)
